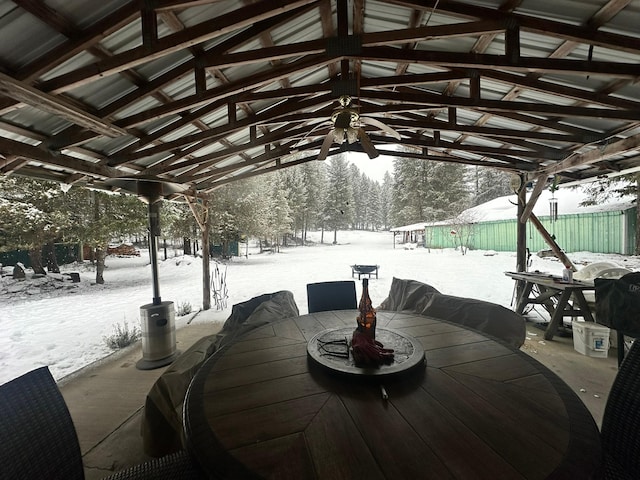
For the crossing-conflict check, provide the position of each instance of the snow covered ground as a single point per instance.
(64, 327)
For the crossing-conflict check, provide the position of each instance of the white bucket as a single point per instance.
(590, 339)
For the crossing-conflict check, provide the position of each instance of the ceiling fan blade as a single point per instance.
(367, 145)
(308, 134)
(326, 145)
(377, 123)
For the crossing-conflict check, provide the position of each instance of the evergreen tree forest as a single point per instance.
(277, 208)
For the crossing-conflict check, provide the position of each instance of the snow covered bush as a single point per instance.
(122, 336)
(183, 308)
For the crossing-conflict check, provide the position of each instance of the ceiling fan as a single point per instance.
(348, 125)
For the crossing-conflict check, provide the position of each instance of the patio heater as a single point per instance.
(157, 319)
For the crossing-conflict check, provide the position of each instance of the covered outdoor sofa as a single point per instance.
(162, 416)
(487, 317)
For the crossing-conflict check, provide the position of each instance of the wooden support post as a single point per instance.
(537, 190)
(551, 242)
(521, 237)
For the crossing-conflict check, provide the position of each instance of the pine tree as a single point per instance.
(489, 183)
(374, 210)
(427, 191)
(176, 221)
(386, 199)
(338, 208)
(314, 179)
(295, 189)
(359, 188)
(109, 217)
(30, 217)
(281, 220)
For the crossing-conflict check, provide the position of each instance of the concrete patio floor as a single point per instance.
(106, 399)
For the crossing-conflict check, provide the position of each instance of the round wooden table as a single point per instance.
(260, 408)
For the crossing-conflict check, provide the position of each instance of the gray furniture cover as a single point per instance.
(162, 416)
(487, 317)
(407, 295)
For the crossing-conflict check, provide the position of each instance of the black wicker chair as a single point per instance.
(38, 438)
(175, 466)
(339, 295)
(621, 421)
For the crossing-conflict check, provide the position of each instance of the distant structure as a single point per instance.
(606, 228)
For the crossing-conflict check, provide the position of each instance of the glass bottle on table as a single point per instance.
(367, 315)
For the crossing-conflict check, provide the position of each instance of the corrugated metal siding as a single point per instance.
(630, 232)
(598, 232)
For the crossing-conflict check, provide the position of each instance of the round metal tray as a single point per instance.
(332, 349)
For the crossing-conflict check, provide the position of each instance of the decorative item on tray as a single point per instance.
(367, 351)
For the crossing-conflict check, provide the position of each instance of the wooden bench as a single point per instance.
(364, 270)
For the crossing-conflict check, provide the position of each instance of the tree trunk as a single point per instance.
(100, 256)
(200, 211)
(186, 246)
(35, 255)
(335, 236)
(52, 261)
(206, 268)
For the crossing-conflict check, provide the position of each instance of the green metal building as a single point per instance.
(611, 231)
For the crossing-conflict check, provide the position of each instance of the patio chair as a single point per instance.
(338, 295)
(591, 271)
(486, 317)
(39, 439)
(407, 295)
(176, 466)
(36, 431)
(621, 421)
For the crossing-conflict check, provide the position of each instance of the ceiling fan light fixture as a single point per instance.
(338, 135)
(352, 135)
(343, 119)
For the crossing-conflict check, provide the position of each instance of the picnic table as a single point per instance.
(553, 293)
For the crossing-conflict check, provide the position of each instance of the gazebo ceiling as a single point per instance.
(205, 92)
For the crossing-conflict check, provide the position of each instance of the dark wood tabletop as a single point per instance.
(540, 288)
(479, 409)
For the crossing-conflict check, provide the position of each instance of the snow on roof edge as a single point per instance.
(505, 208)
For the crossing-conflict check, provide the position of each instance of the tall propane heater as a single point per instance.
(157, 319)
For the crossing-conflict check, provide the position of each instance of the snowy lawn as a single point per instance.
(64, 328)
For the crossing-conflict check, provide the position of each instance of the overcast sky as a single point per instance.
(372, 168)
